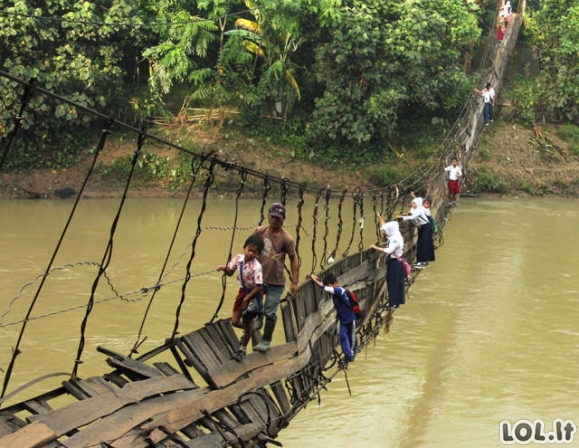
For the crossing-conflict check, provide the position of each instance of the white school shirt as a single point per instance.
(454, 172)
(486, 96)
(492, 94)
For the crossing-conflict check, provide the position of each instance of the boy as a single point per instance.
(346, 315)
(454, 174)
(250, 279)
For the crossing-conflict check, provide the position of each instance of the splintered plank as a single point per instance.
(246, 432)
(37, 406)
(215, 340)
(81, 413)
(201, 349)
(128, 365)
(10, 423)
(281, 396)
(166, 369)
(34, 434)
(225, 374)
(228, 332)
(288, 322)
(111, 417)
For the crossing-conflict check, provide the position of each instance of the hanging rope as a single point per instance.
(266, 188)
(242, 182)
(324, 261)
(360, 199)
(195, 168)
(16, 351)
(300, 205)
(340, 226)
(315, 229)
(106, 256)
(208, 183)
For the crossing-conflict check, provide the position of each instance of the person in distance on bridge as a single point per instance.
(248, 303)
(345, 313)
(493, 100)
(395, 271)
(278, 244)
(454, 175)
(486, 95)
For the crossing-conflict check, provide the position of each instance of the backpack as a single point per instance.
(355, 304)
(433, 224)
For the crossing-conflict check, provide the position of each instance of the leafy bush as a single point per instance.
(384, 175)
(526, 97)
(487, 181)
(570, 133)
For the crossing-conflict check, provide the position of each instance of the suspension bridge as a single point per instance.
(188, 391)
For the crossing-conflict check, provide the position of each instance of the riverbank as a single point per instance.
(511, 159)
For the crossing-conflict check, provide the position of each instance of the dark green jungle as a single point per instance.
(337, 93)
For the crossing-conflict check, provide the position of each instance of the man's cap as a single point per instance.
(278, 210)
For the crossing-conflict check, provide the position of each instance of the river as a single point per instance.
(489, 333)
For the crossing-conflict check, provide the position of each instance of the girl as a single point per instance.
(395, 271)
(425, 243)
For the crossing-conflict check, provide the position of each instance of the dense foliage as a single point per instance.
(555, 26)
(340, 75)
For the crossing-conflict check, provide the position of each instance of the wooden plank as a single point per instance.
(10, 423)
(280, 394)
(179, 410)
(216, 341)
(166, 369)
(355, 274)
(37, 432)
(288, 322)
(128, 365)
(73, 389)
(116, 378)
(246, 432)
(199, 347)
(37, 406)
(81, 413)
(100, 385)
(223, 375)
(228, 332)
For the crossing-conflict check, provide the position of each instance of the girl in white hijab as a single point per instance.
(425, 243)
(395, 270)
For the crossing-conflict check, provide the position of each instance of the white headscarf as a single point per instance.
(417, 214)
(395, 238)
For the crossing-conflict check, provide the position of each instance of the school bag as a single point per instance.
(355, 304)
(433, 224)
(405, 265)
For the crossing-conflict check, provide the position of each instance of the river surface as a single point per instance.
(490, 331)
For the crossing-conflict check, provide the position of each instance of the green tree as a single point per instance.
(384, 59)
(270, 39)
(80, 50)
(556, 30)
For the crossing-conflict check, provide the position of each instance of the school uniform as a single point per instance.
(347, 319)
(395, 281)
(425, 243)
